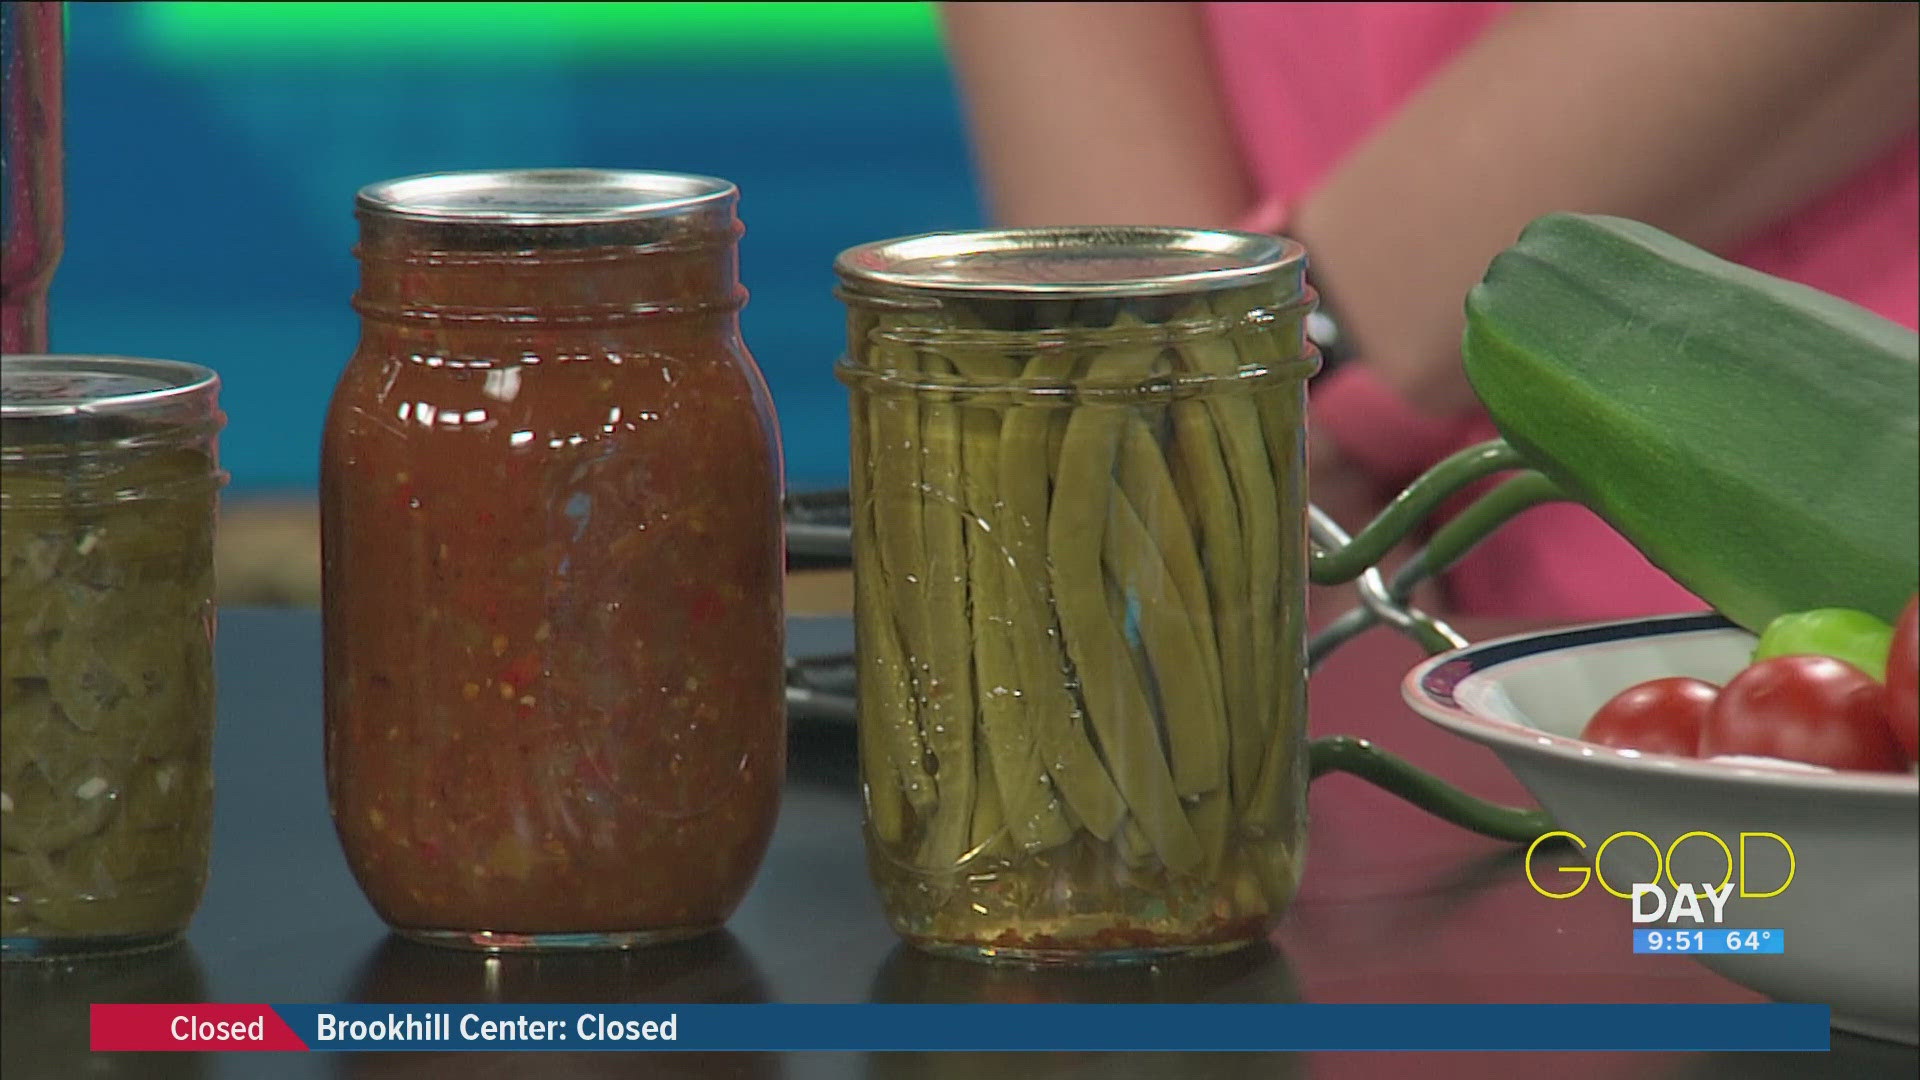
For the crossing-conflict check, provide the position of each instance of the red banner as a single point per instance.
(191, 1027)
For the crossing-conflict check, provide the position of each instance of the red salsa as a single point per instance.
(551, 516)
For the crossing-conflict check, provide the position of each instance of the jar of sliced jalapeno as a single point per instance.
(1079, 572)
(108, 484)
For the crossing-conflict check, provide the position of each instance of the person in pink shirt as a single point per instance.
(1405, 144)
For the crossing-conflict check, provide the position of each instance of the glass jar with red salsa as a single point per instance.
(550, 503)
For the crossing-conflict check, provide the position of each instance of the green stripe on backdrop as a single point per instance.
(388, 31)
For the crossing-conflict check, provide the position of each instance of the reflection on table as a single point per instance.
(43, 1031)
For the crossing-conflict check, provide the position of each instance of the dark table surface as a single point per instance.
(1396, 907)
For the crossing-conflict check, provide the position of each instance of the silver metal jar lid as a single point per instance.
(542, 197)
(55, 386)
(1071, 262)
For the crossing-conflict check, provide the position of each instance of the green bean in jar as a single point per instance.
(1080, 559)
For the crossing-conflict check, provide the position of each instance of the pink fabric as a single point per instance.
(1376, 429)
(1307, 82)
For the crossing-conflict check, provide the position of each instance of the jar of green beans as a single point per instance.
(1080, 557)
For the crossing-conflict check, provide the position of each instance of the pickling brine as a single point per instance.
(1080, 559)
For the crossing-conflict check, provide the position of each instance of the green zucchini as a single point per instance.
(1757, 439)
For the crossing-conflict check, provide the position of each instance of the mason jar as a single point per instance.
(109, 480)
(1080, 552)
(552, 563)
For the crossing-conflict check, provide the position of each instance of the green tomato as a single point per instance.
(1842, 633)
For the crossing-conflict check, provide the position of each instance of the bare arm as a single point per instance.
(1096, 114)
(1709, 120)
(1671, 114)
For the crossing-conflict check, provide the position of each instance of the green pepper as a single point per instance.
(1842, 633)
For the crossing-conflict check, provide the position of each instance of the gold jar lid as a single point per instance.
(1075, 262)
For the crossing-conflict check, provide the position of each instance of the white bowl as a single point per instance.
(1851, 911)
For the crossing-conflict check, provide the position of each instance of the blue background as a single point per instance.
(209, 201)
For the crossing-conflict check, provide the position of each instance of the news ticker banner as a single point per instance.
(1133, 1028)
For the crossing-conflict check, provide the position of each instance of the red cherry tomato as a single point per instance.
(1903, 673)
(1813, 709)
(1662, 716)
